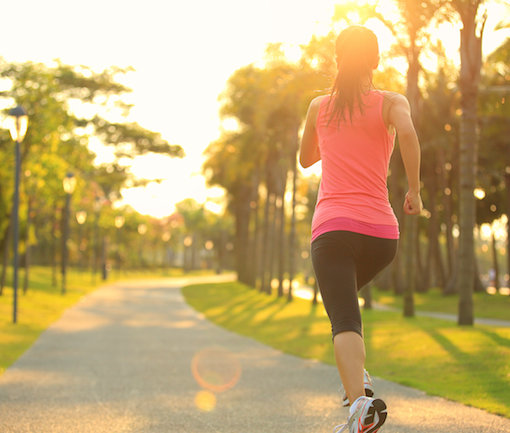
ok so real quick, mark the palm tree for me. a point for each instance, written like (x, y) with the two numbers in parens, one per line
(469, 79)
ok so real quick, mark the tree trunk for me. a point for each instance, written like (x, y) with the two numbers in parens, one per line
(477, 282)
(281, 247)
(446, 192)
(452, 243)
(263, 243)
(435, 255)
(422, 276)
(366, 294)
(27, 246)
(507, 182)
(242, 213)
(54, 245)
(5, 262)
(315, 292)
(273, 245)
(412, 227)
(292, 236)
(471, 55)
(383, 279)
(255, 236)
(266, 257)
(411, 230)
(397, 192)
(495, 264)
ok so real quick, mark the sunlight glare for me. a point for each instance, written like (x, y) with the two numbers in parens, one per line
(205, 401)
(175, 93)
(216, 369)
(485, 232)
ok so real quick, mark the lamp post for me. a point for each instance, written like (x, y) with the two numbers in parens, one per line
(119, 223)
(69, 184)
(188, 262)
(28, 189)
(95, 250)
(81, 217)
(18, 120)
(167, 251)
(142, 229)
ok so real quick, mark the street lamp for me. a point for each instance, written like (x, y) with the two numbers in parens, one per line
(142, 229)
(167, 251)
(119, 223)
(18, 124)
(81, 217)
(95, 250)
(188, 253)
(69, 184)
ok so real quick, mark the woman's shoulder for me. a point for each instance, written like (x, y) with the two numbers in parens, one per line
(390, 96)
(391, 99)
(318, 100)
(315, 106)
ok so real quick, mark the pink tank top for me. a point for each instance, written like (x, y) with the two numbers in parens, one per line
(353, 194)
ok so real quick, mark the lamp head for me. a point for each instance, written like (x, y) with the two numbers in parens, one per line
(81, 217)
(69, 183)
(119, 221)
(18, 123)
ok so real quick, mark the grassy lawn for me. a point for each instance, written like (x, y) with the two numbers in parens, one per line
(466, 364)
(486, 306)
(43, 304)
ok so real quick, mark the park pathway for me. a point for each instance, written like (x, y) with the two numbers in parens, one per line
(133, 357)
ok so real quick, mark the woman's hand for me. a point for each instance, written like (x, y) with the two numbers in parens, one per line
(413, 204)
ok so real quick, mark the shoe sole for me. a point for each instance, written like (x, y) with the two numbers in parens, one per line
(378, 406)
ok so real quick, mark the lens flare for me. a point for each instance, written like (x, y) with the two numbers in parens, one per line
(205, 401)
(216, 369)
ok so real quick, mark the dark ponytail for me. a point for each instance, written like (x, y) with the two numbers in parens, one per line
(357, 54)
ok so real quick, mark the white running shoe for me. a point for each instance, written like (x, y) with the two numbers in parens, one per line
(367, 416)
(369, 389)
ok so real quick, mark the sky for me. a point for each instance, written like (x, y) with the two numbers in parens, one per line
(183, 53)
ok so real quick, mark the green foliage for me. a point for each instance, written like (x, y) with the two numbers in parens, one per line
(52, 97)
(131, 139)
(56, 99)
(192, 213)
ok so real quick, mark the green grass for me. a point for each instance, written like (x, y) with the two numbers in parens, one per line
(466, 364)
(485, 305)
(43, 304)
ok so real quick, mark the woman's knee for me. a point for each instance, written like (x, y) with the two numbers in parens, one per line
(349, 325)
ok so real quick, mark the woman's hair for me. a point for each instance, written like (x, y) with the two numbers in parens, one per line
(357, 54)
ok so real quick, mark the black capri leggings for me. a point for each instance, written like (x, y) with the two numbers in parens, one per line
(344, 262)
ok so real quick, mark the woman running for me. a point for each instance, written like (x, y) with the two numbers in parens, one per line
(354, 229)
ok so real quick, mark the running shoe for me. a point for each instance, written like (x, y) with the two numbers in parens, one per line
(367, 416)
(369, 389)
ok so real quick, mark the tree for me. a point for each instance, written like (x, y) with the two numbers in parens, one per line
(469, 79)
(229, 165)
(57, 138)
(495, 133)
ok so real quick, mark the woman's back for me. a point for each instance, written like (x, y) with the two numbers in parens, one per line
(355, 154)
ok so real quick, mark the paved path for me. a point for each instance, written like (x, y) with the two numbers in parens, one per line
(446, 316)
(122, 359)
(307, 293)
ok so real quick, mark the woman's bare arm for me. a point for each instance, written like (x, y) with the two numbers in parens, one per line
(400, 117)
(309, 152)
